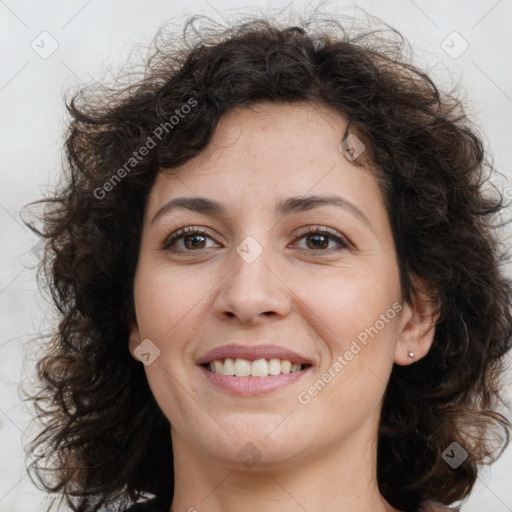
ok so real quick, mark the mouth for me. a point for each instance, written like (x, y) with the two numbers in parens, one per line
(248, 370)
(258, 368)
(243, 377)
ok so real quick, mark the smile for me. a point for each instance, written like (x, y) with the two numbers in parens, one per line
(240, 367)
(240, 379)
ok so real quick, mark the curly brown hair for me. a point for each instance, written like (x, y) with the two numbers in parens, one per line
(104, 441)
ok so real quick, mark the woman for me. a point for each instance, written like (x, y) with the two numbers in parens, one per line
(278, 283)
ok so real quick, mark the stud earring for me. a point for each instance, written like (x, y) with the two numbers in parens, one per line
(411, 355)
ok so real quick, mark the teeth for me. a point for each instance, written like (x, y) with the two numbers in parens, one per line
(286, 366)
(229, 367)
(259, 368)
(242, 367)
(274, 367)
(218, 366)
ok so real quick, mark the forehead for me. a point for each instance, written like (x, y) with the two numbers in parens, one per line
(261, 154)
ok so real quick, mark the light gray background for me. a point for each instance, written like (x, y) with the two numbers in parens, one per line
(93, 35)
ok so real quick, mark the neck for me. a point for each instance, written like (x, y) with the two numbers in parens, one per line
(344, 475)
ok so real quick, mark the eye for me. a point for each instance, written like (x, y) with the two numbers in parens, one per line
(192, 238)
(317, 239)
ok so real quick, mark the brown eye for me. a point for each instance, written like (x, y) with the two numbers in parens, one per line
(318, 240)
(193, 239)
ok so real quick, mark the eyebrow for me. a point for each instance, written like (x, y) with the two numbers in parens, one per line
(285, 207)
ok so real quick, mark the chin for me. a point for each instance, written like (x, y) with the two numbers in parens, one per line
(258, 447)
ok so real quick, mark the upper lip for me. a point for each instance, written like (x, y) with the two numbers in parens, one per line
(251, 352)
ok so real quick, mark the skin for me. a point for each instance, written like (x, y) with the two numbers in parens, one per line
(313, 300)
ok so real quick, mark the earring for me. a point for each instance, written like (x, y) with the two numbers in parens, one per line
(411, 355)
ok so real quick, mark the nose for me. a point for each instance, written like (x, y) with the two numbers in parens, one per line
(251, 290)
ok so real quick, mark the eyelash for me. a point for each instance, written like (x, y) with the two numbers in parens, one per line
(181, 233)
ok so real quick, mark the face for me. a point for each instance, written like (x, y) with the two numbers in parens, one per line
(317, 278)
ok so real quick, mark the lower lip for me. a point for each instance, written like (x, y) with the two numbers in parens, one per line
(248, 386)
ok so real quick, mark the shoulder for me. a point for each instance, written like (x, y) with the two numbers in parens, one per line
(434, 506)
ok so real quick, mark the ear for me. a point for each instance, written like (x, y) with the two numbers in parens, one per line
(418, 322)
(134, 339)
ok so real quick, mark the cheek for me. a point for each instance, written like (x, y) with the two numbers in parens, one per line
(168, 305)
(357, 343)
(348, 301)
(166, 297)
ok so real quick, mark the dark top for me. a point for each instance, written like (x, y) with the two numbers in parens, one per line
(149, 506)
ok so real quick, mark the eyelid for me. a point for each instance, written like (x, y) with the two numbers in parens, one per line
(343, 242)
(181, 232)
